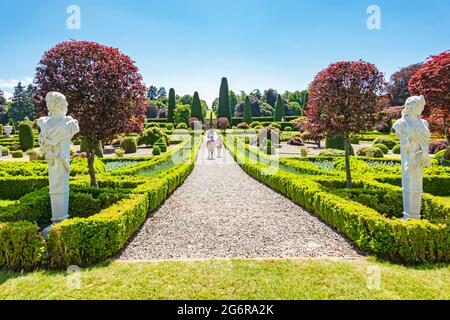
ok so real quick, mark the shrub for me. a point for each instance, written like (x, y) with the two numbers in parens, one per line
(17, 154)
(439, 156)
(156, 151)
(388, 142)
(288, 128)
(354, 139)
(255, 124)
(371, 152)
(21, 246)
(304, 152)
(129, 145)
(182, 126)
(98, 148)
(243, 126)
(396, 149)
(222, 123)
(4, 151)
(119, 152)
(169, 126)
(182, 114)
(73, 151)
(438, 145)
(332, 153)
(33, 154)
(258, 127)
(161, 143)
(382, 147)
(1, 129)
(275, 125)
(150, 136)
(26, 136)
(336, 141)
(295, 141)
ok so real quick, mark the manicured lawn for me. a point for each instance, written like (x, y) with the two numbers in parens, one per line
(233, 279)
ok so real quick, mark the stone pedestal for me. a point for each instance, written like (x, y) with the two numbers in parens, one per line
(8, 130)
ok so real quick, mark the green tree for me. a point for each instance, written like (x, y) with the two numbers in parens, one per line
(182, 114)
(224, 101)
(162, 93)
(247, 110)
(196, 108)
(22, 104)
(257, 94)
(26, 136)
(233, 101)
(279, 109)
(2, 98)
(270, 96)
(171, 105)
(152, 93)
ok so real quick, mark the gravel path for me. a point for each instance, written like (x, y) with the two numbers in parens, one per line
(221, 212)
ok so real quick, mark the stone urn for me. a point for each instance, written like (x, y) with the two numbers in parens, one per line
(8, 129)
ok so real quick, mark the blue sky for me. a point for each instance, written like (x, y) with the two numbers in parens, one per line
(191, 44)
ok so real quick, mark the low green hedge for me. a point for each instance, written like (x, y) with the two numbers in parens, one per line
(21, 246)
(107, 218)
(404, 241)
(83, 241)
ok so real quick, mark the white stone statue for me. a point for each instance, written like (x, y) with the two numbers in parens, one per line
(55, 137)
(414, 141)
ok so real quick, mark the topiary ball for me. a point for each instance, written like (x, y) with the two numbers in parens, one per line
(388, 142)
(382, 147)
(129, 145)
(156, 151)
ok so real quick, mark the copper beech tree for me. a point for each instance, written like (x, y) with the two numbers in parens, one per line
(103, 87)
(343, 99)
(432, 80)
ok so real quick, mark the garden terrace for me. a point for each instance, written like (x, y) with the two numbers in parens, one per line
(367, 213)
(101, 220)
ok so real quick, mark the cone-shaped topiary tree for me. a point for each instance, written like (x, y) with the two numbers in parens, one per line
(171, 105)
(247, 110)
(279, 109)
(26, 136)
(196, 108)
(224, 101)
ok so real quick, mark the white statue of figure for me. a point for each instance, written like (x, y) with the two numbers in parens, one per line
(414, 141)
(55, 137)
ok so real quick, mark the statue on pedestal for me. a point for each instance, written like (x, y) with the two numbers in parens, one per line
(55, 137)
(414, 138)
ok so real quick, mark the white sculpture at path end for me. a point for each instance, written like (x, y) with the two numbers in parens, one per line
(55, 137)
(414, 138)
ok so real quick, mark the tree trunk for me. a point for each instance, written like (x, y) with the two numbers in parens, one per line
(347, 161)
(446, 155)
(91, 159)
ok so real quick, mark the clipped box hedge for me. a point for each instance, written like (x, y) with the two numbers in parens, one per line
(412, 241)
(91, 237)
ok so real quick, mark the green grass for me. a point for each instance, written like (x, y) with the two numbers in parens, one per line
(232, 279)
